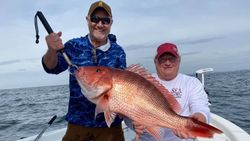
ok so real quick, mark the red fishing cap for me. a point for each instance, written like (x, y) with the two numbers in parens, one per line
(99, 4)
(167, 48)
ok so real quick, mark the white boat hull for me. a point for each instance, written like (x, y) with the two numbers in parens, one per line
(231, 131)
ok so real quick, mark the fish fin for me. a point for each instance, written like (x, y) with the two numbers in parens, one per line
(138, 69)
(102, 104)
(137, 137)
(98, 110)
(201, 129)
(155, 132)
(109, 117)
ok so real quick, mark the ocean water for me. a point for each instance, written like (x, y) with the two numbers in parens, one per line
(26, 111)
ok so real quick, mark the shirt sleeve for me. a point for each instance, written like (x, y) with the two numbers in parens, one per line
(60, 67)
(199, 99)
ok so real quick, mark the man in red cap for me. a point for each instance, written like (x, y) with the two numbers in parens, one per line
(188, 91)
(167, 61)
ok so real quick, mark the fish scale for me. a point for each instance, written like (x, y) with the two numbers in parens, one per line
(153, 107)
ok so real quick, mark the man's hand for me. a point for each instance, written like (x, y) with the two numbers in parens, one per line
(54, 41)
(199, 116)
(138, 130)
(187, 135)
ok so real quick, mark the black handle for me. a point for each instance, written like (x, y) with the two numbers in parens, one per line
(40, 15)
(44, 22)
(52, 120)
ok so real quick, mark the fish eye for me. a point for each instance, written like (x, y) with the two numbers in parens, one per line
(98, 70)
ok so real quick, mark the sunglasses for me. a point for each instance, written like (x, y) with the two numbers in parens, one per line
(164, 58)
(104, 20)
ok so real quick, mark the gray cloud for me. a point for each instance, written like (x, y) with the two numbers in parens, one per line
(9, 62)
(178, 42)
(138, 47)
(199, 27)
(199, 41)
(32, 59)
(190, 53)
(22, 70)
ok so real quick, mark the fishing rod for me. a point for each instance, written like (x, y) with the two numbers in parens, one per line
(45, 23)
(49, 124)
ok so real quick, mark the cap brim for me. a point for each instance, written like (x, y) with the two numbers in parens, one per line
(159, 55)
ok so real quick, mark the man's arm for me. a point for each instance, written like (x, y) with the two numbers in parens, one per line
(198, 105)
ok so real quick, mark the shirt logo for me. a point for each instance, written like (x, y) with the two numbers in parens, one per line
(176, 92)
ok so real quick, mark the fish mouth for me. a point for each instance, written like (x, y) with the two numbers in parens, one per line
(82, 86)
(89, 92)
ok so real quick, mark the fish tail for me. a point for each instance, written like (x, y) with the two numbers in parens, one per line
(201, 129)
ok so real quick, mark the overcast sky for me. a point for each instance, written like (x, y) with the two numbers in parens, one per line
(208, 33)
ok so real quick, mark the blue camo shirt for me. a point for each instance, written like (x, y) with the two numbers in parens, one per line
(80, 51)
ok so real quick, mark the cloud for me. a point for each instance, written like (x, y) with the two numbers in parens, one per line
(9, 62)
(22, 79)
(22, 70)
(199, 28)
(190, 53)
(32, 59)
(17, 65)
(200, 40)
(138, 47)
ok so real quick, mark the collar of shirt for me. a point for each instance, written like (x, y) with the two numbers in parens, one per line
(104, 47)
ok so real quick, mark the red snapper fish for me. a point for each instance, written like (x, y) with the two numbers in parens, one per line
(135, 94)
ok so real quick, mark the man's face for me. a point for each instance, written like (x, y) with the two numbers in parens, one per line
(167, 66)
(99, 24)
